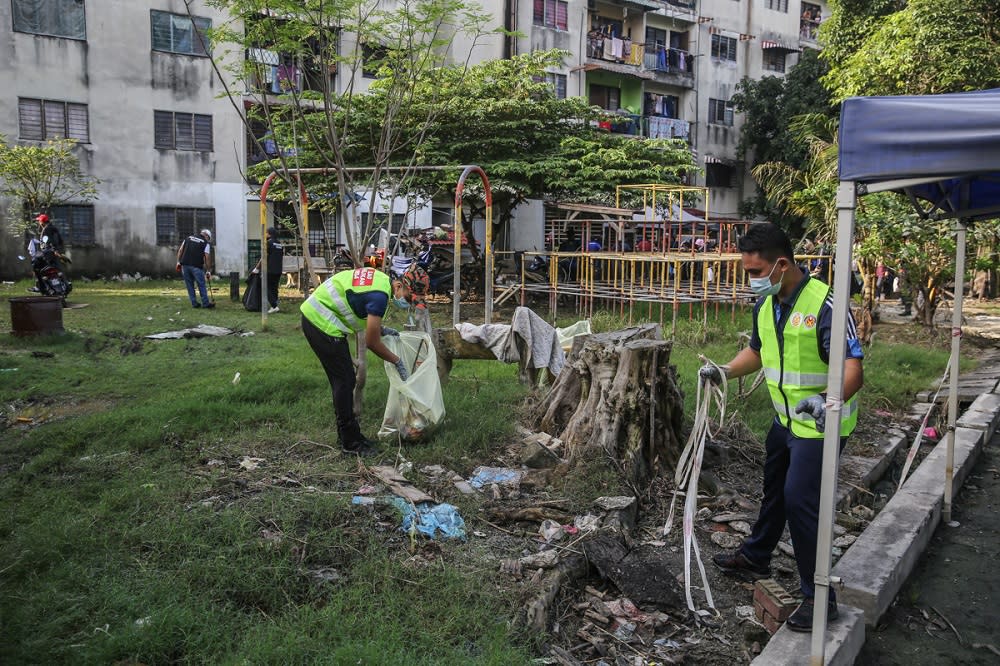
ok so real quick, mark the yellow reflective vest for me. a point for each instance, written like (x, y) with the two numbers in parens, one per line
(328, 309)
(793, 368)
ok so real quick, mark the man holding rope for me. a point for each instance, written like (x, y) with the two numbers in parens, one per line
(791, 342)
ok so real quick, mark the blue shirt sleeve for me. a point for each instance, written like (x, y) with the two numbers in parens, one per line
(368, 303)
(824, 327)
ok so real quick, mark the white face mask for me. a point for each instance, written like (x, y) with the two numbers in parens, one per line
(762, 286)
(402, 303)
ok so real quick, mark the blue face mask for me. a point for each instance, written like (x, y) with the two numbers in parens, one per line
(762, 286)
(402, 303)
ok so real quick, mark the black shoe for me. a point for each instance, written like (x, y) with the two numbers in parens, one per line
(737, 565)
(802, 618)
(364, 448)
(208, 305)
(196, 305)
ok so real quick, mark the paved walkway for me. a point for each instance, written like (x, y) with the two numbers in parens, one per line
(957, 581)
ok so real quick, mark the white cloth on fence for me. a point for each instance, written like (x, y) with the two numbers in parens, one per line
(541, 341)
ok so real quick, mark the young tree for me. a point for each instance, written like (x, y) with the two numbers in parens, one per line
(401, 46)
(37, 177)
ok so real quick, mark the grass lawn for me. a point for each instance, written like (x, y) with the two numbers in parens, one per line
(155, 511)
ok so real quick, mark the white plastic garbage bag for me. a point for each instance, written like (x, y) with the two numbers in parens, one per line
(416, 405)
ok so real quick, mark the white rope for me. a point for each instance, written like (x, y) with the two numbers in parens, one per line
(915, 446)
(686, 476)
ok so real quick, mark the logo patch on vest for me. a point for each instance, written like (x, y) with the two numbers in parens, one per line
(810, 322)
(795, 320)
(363, 277)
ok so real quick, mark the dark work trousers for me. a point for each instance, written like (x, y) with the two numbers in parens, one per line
(793, 470)
(334, 354)
(272, 289)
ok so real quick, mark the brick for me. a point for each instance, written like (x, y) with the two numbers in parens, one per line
(773, 599)
(772, 625)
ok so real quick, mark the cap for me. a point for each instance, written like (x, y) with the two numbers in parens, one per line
(206, 233)
(42, 218)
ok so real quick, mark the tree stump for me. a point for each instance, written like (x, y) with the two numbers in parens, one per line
(618, 394)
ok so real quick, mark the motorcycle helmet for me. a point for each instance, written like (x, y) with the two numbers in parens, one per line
(594, 246)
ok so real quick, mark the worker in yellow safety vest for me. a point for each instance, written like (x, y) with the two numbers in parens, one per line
(791, 342)
(349, 302)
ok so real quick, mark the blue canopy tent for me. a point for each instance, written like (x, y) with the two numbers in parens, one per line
(943, 153)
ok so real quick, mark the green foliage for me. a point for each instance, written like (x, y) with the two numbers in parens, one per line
(770, 106)
(926, 47)
(37, 177)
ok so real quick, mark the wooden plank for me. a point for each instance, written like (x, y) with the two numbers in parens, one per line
(399, 485)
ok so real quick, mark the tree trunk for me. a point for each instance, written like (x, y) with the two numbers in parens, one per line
(618, 394)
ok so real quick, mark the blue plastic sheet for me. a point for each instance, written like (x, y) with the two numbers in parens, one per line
(432, 519)
(485, 476)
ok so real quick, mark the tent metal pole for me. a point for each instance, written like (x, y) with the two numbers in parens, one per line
(846, 203)
(956, 342)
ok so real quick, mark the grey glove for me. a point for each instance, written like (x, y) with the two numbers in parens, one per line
(713, 373)
(815, 406)
(404, 374)
(389, 331)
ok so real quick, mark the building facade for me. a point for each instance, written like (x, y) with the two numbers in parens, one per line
(133, 82)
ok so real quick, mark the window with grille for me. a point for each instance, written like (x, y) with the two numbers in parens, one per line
(558, 83)
(41, 119)
(174, 224)
(774, 60)
(75, 223)
(720, 112)
(52, 18)
(552, 14)
(177, 33)
(724, 47)
(182, 131)
(720, 175)
(777, 5)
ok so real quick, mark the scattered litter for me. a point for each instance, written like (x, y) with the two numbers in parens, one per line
(199, 331)
(215, 463)
(544, 560)
(953, 523)
(587, 523)
(9, 369)
(429, 519)
(363, 501)
(550, 531)
(143, 621)
(477, 533)
(483, 476)
(325, 575)
(744, 612)
(250, 464)
(367, 489)
(149, 319)
(236, 378)
(400, 486)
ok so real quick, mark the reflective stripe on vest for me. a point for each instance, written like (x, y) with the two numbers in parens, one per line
(328, 308)
(795, 370)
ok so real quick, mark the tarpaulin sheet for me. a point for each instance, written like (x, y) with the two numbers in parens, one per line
(917, 136)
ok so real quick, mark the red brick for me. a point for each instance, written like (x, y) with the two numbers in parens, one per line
(770, 623)
(773, 599)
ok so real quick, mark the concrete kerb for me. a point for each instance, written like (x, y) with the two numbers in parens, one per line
(876, 566)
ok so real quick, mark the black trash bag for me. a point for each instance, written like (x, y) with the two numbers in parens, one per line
(251, 297)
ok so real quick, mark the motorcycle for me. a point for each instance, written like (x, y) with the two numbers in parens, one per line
(440, 270)
(51, 279)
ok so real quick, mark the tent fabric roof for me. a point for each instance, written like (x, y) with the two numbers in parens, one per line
(953, 140)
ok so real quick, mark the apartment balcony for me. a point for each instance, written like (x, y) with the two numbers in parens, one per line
(671, 66)
(649, 126)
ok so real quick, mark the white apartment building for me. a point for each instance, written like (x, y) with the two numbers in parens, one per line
(130, 79)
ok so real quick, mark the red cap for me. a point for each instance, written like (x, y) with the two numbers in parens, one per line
(42, 218)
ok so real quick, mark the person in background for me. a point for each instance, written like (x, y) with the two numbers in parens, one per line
(34, 252)
(275, 262)
(418, 284)
(49, 240)
(348, 302)
(791, 342)
(194, 259)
